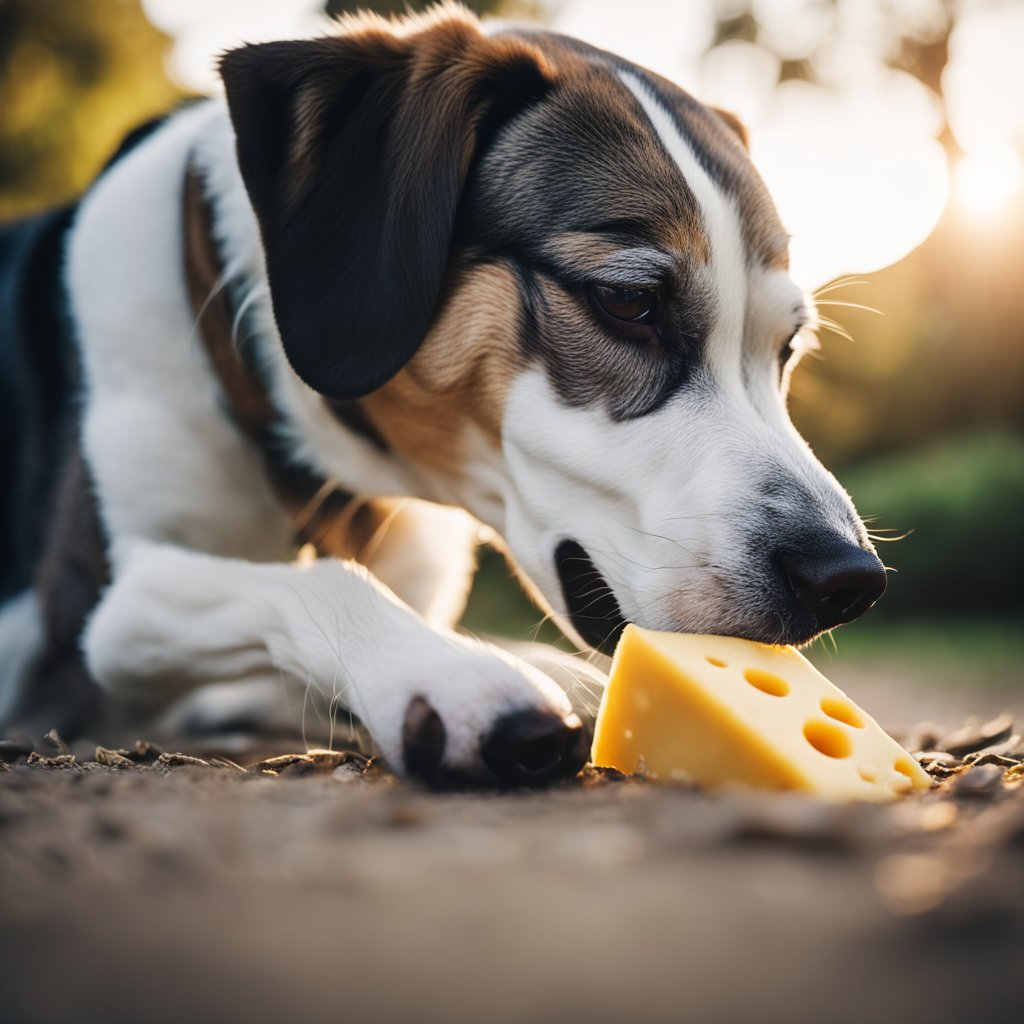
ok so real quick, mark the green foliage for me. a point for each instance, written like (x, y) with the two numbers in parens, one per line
(74, 79)
(989, 649)
(498, 605)
(944, 354)
(962, 498)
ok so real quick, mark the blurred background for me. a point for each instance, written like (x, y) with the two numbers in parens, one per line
(892, 135)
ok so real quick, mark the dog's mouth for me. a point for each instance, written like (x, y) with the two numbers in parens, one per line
(592, 608)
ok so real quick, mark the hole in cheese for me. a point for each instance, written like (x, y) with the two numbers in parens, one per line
(828, 739)
(717, 662)
(841, 712)
(905, 779)
(776, 686)
(868, 774)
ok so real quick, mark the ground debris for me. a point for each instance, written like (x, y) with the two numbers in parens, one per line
(54, 742)
(311, 762)
(594, 775)
(176, 760)
(990, 745)
(978, 760)
(57, 761)
(991, 757)
(114, 758)
(981, 780)
(942, 758)
(975, 735)
(144, 752)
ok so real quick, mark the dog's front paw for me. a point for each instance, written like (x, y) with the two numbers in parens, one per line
(470, 714)
(529, 747)
(532, 747)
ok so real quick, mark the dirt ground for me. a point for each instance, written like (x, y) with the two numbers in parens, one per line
(327, 891)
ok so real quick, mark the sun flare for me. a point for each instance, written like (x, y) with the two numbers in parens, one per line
(985, 181)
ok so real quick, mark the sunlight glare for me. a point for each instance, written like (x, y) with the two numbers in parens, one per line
(985, 180)
(858, 177)
(854, 167)
(203, 29)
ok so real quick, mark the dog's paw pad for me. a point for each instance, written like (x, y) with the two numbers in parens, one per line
(533, 747)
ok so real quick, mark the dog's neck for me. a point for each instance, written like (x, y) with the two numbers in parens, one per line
(357, 446)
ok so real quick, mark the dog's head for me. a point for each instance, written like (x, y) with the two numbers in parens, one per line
(555, 282)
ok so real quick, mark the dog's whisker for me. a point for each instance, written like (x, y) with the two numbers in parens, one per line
(377, 538)
(305, 698)
(257, 291)
(670, 540)
(847, 281)
(832, 327)
(221, 282)
(850, 305)
(633, 561)
(878, 539)
(598, 593)
(335, 697)
(831, 634)
(579, 681)
(335, 648)
(584, 696)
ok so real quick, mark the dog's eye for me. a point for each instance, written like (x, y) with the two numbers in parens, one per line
(786, 351)
(628, 305)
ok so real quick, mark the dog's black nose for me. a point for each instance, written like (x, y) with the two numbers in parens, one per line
(836, 583)
(532, 747)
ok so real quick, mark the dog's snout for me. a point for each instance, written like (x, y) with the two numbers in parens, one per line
(836, 584)
(533, 747)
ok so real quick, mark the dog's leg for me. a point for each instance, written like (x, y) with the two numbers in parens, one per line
(426, 554)
(434, 703)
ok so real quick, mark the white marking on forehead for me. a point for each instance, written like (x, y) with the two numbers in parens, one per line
(635, 266)
(722, 224)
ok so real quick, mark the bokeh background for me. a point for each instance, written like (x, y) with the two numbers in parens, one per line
(892, 135)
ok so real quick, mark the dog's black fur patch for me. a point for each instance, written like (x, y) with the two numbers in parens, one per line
(37, 378)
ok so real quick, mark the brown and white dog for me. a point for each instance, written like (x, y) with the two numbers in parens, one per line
(503, 272)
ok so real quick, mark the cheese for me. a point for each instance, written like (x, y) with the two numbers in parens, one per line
(719, 710)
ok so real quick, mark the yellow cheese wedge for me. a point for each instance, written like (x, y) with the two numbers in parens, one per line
(718, 710)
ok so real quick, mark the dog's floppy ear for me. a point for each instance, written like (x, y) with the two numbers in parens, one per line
(354, 150)
(735, 125)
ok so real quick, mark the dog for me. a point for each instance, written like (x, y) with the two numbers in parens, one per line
(532, 284)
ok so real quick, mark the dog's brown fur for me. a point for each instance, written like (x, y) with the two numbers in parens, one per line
(459, 377)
